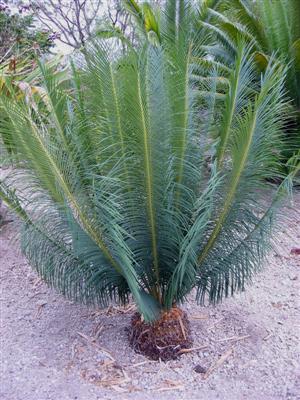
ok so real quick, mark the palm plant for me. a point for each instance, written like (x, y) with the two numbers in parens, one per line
(161, 26)
(114, 193)
(273, 27)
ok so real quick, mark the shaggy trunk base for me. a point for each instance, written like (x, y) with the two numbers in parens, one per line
(164, 339)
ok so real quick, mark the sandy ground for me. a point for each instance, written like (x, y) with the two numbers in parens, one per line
(54, 349)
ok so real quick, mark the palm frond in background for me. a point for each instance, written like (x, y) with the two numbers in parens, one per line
(273, 29)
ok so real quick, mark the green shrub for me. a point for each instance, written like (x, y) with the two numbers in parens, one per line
(112, 182)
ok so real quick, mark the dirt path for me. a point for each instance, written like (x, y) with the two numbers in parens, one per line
(54, 349)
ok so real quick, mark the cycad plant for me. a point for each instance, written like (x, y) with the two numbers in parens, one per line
(273, 27)
(117, 200)
(163, 26)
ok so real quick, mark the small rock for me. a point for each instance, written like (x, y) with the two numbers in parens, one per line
(295, 251)
(293, 277)
(199, 369)
(41, 303)
(277, 305)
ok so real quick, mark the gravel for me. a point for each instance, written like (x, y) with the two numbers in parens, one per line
(54, 349)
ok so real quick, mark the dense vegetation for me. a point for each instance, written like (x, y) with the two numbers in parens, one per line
(272, 28)
(19, 38)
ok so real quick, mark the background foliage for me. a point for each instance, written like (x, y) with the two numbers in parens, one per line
(19, 37)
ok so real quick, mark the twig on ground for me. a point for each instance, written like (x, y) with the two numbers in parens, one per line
(182, 328)
(270, 334)
(216, 323)
(129, 309)
(183, 351)
(220, 361)
(234, 338)
(92, 342)
(39, 309)
(97, 331)
(35, 294)
(172, 385)
(200, 316)
(139, 364)
(164, 389)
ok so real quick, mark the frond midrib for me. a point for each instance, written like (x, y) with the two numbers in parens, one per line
(149, 182)
(230, 195)
(184, 125)
(232, 105)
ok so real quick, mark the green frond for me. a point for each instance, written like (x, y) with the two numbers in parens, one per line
(147, 19)
(141, 175)
(240, 82)
(234, 29)
(252, 160)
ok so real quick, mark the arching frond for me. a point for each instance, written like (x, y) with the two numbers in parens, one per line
(138, 178)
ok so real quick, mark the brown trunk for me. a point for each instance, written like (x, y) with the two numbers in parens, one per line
(163, 339)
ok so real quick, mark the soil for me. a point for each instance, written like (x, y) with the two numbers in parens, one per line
(165, 340)
(244, 348)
